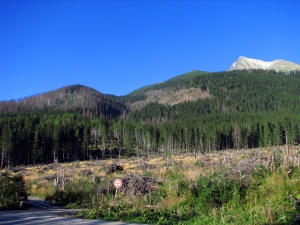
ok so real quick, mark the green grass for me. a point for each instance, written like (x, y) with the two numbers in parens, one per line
(214, 199)
(261, 196)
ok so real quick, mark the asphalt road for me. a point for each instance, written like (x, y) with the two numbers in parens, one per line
(44, 213)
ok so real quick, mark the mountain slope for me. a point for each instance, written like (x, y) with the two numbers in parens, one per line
(189, 87)
(253, 108)
(244, 63)
(171, 92)
(231, 93)
(79, 98)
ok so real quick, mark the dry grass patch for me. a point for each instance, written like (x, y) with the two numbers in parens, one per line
(194, 173)
(188, 166)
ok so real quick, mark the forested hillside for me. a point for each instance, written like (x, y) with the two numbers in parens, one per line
(170, 92)
(74, 98)
(244, 109)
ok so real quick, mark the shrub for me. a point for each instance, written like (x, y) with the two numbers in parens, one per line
(76, 194)
(214, 190)
(12, 190)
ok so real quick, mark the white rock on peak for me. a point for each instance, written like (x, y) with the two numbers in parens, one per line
(244, 63)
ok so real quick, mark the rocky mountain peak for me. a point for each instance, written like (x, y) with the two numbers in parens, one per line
(244, 63)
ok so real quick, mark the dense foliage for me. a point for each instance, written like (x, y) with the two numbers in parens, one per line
(12, 190)
(247, 109)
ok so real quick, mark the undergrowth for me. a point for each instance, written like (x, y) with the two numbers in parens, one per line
(12, 190)
(264, 194)
(213, 199)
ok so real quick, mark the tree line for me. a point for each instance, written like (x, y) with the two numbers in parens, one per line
(31, 139)
(246, 110)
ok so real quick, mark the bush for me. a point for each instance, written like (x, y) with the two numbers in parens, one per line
(76, 194)
(214, 190)
(12, 190)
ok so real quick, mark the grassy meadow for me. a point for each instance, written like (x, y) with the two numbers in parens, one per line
(247, 186)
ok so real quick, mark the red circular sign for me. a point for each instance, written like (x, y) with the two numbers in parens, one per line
(118, 183)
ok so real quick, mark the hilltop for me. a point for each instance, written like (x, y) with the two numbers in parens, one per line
(244, 63)
(72, 98)
(189, 87)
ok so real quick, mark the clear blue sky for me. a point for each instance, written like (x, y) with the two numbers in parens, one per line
(119, 46)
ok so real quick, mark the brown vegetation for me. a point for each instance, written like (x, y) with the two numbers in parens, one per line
(171, 97)
(239, 162)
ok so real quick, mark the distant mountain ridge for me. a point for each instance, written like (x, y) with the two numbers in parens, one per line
(189, 87)
(244, 63)
(72, 98)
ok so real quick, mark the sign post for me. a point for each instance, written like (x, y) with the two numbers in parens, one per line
(118, 184)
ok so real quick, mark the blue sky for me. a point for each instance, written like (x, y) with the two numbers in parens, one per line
(119, 46)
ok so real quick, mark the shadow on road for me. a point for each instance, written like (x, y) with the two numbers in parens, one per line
(37, 203)
(42, 212)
